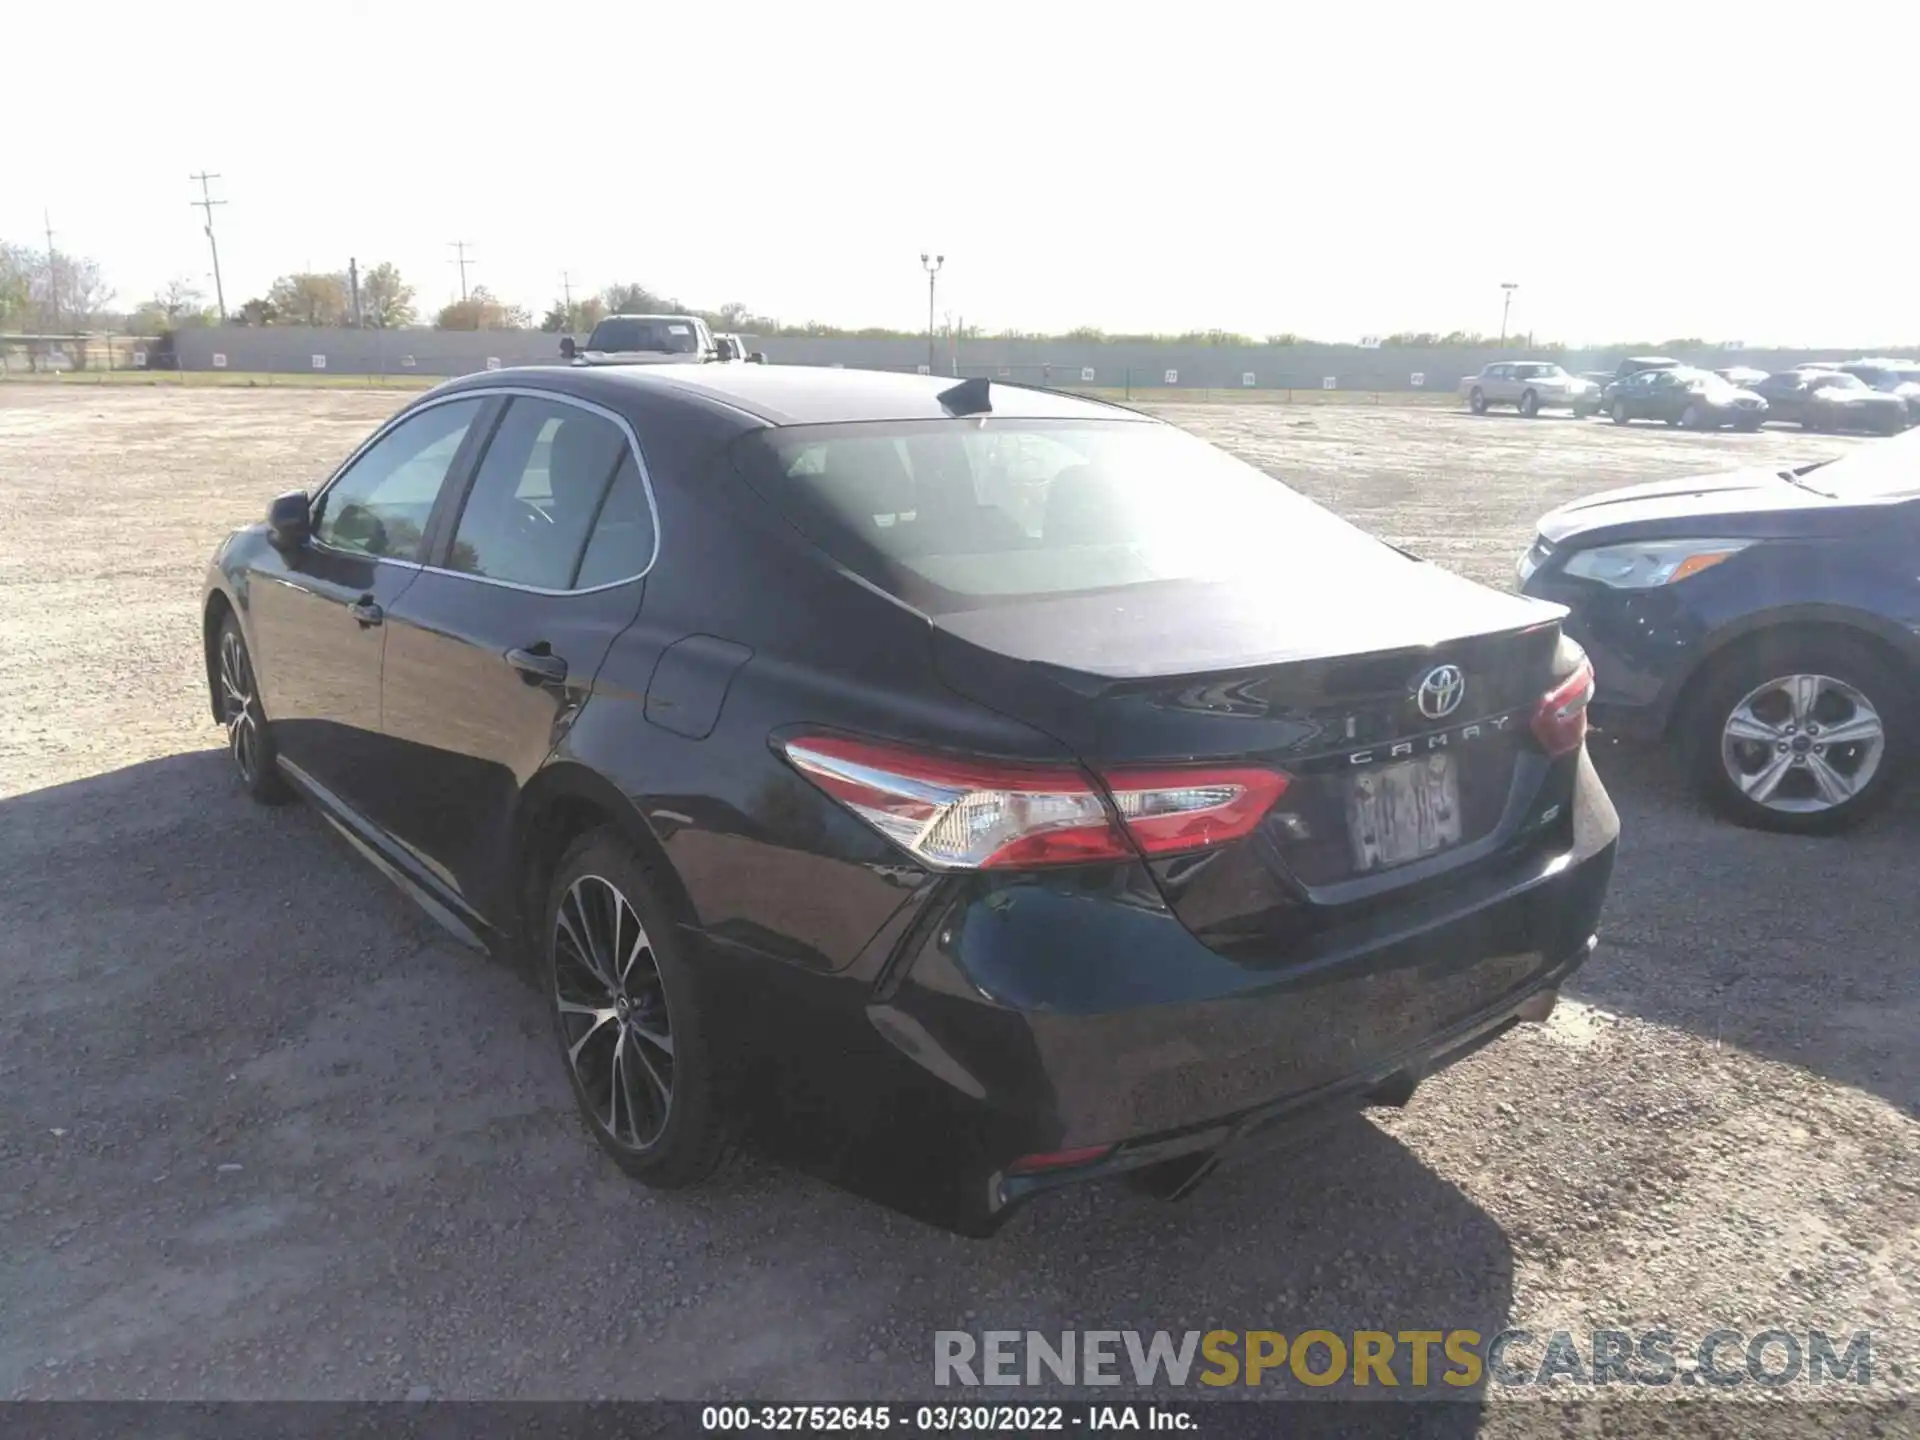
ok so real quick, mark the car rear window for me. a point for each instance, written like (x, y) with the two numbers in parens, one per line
(666, 337)
(960, 514)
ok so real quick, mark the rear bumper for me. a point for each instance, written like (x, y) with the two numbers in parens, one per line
(1038, 1017)
(1870, 419)
(1186, 1156)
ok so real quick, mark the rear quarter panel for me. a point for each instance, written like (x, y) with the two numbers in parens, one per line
(765, 860)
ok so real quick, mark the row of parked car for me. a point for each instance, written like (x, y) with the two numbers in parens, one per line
(1878, 396)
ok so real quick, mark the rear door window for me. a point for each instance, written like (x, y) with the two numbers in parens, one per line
(622, 542)
(538, 492)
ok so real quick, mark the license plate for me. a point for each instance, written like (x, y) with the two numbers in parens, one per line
(1402, 812)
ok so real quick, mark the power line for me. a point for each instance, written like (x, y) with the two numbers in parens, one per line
(460, 259)
(205, 203)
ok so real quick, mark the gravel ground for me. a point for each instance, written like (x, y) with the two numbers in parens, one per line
(265, 1132)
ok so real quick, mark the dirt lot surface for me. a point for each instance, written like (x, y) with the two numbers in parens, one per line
(265, 1132)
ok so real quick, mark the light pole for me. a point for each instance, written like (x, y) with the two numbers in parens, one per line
(932, 267)
(1505, 305)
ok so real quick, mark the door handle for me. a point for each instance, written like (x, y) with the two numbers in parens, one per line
(367, 611)
(538, 665)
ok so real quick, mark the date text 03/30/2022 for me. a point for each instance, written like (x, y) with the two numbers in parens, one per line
(936, 1419)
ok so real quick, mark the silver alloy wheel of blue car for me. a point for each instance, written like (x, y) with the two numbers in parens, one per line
(1803, 743)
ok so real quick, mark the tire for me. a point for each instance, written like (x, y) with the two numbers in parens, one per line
(652, 1014)
(1814, 683)
(1747, 427)
(1810, 421)
(249, 737)
(1619, 412)
(1477, 401)
(1529, 404)
(1693, 418)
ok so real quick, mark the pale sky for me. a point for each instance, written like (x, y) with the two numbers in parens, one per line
(1642, 171)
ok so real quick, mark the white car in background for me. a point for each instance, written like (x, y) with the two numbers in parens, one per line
(1530, 386)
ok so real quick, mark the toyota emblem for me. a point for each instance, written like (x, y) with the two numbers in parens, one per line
(1440, 691)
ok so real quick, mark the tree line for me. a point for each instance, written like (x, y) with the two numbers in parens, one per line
(45, 291)
(49, 292)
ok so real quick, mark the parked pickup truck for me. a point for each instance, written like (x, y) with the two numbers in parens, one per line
(1530, 386)
(655, 340)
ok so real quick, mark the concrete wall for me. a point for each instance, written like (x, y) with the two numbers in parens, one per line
(290, 349)
(31, 354)
(285, 349)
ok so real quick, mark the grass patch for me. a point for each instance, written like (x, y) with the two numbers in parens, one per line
(302, 380)
(223, 379)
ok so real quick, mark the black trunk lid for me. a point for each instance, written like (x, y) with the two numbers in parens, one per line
(1330, 693)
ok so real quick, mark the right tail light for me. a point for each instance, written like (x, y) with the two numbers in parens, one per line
(1560, 719)
(962, 813)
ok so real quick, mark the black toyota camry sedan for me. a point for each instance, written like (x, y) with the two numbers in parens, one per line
(959, 789)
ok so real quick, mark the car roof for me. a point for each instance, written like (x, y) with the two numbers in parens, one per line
(798, 394)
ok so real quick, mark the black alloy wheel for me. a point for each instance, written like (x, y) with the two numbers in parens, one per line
(249, 737)
(627, 1016)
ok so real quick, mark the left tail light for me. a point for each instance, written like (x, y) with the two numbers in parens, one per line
(1560, 720)
(961, 813)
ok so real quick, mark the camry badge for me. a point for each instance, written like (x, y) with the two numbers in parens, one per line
(1440, 691)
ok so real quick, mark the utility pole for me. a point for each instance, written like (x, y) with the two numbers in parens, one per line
(460, 259)
(1505, 305)
(932, 268)
(353, 289)
(53, 273)
(205, 203)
